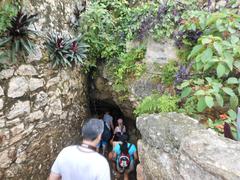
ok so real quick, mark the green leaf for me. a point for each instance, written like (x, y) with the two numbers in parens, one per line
(201, 104)
(233, 102)
(185, 84)
(199, 93)
(232, 80)
(207, 55)
(232, 114)
(209, 101)
(195, 51)
(220, 70)
(218, 47)
(219, 100)
(228, 91)
(210, 123)
(237, 64)
(3, 41)
(186, 92)
(234, 39)
(229, 60)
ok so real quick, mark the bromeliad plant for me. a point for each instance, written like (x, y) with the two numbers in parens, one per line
(18, 39)
(66, 51)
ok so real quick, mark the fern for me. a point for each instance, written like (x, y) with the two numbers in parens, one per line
(156, 104)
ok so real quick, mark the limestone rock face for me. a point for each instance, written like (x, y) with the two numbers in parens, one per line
(174, 146)
(161, 52)
(18, 86)
(1, 91)
(1, 104)
(41, 111)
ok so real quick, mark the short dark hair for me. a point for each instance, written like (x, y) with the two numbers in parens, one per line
(92, 128)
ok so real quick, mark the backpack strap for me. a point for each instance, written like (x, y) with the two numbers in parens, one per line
(129, 147)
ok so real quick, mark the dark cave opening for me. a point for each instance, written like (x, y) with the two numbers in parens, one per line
(99, 107)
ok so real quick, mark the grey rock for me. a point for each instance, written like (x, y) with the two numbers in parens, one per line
(4, 159)
(41, 100)
(208, 156)
(1, 104)
(175, 146)
(53, 81)
(6, 73)
(13, 122)
(18, 109)
(56, 106)
(37, 115)
(160, 52)
(18, 86)
(2, 121)
(168, 128)
(35, 83)
(1, 91)
(26, 70)
(17, 129)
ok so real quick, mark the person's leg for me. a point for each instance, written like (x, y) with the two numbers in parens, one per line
(104, 146)
(126, 176)
(129, 170)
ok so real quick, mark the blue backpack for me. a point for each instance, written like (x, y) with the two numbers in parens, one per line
(106, 135)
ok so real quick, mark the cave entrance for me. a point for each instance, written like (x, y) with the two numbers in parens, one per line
(99, 107)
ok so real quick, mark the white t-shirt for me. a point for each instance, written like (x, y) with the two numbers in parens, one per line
(79, 163)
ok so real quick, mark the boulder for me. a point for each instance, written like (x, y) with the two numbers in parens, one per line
(175, 146)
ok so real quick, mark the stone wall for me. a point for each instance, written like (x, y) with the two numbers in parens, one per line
(41, 111)
(53, 15)
(176, 147)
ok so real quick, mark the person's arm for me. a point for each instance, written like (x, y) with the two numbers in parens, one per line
(124, 129)
(135, 156)
(111, 141)
(114, 156)
(111, 124)
(54, 176)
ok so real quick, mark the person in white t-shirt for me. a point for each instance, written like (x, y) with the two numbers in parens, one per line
(82, 162)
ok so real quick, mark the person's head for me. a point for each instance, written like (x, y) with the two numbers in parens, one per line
(120, 121)
(92, 131)
(124, 146)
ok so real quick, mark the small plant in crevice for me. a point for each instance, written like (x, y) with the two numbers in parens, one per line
(66, 51)
(7, 11)
(168, 72)
(130, 67)
(18, 39)
(78, 9)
